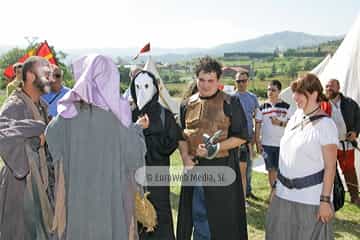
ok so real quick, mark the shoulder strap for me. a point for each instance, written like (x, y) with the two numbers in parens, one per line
(309, 120)
(316, 117)
(53, 99)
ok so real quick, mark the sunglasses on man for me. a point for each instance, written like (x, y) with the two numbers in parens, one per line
(241, 81)
(57, 75)
(272, 89)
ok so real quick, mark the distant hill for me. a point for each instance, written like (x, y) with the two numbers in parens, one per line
(266, 43)
(330, 47)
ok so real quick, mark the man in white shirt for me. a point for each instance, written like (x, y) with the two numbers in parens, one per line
(270, 124)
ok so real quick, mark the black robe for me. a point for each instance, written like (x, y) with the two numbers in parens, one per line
(225, 205)
(161, 141)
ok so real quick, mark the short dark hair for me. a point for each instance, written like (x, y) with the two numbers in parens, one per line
(276, 83)
(335, 80)
(208, 65)
(242, 73)
(29, 64)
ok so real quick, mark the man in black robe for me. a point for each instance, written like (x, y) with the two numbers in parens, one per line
(212, 212)
(161, 139)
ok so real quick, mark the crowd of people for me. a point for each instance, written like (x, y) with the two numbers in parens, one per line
(71, 154)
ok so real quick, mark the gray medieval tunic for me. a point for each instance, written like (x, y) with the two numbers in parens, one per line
(99, 157)
(21, 212)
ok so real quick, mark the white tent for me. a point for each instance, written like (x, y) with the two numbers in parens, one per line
(164, 96)
(345, 67)
(345, 64)
(286, 94)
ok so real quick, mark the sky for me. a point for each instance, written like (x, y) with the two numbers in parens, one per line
(167, 23)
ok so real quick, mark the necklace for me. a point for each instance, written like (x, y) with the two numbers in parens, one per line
(306, 117)
(312, 112)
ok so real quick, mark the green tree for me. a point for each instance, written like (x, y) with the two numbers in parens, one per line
(292, 69)
(261, 75)
(308, 66)
(273, 69)
(7, 59)
(11, 57)
(165, 78)
(290, 52)
(175, 78)
(124, 75)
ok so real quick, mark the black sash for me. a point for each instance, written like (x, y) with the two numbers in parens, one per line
(303, 182)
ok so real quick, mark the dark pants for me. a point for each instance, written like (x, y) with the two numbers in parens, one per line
(244, 156)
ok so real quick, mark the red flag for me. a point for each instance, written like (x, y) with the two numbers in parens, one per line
(45, 52)
(9, 72)
(145, 49)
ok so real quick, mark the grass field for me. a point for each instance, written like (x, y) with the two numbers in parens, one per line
(2, 99)
(346, 224)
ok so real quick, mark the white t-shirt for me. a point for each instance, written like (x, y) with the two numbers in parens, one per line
(301, 155)
(270, 133)
(336, 115)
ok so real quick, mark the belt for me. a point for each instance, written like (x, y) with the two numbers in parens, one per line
(303, 182)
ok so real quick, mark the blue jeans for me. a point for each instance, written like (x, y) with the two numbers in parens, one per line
(200, 221)
(271, 157)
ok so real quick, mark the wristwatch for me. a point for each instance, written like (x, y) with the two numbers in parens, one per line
(274, 185)
(324, 198)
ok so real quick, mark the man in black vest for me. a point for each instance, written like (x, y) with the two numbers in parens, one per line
(212, 212)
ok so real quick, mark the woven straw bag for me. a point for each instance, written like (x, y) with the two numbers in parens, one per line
(145, 212)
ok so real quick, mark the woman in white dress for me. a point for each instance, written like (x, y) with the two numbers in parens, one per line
(301, 206)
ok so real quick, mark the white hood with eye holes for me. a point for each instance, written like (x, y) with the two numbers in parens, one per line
(144, 89)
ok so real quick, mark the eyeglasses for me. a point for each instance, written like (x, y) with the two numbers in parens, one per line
(272, 89)
(241, 81)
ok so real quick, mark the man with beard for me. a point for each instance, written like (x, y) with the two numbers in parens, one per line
(346, 114)
(26, 210)
(161, 139)
(212, 212)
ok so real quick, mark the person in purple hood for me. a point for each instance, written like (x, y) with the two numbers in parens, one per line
(95, 149)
